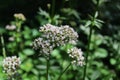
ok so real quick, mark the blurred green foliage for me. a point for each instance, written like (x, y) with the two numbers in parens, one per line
(104, 57)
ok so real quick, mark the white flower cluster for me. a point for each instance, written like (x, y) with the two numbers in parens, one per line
(20, 16)
(11, 64)
(59, 35)
(10, 27)
(76, 55)
(53, 36)
(11, 38)
(44, 45)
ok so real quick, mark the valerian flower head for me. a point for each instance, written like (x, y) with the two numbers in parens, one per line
(77, 56)
(11, 38)
(11, 64)
(54, 36)
(10, 27)
(20, 16)
(44, 45)
(69, 34)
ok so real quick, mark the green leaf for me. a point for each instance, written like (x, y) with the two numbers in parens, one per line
(56, 54)
(22, 56)
(96, 14)
(104, 71)
(35, 32)
(27, 65)
(28, 43)
(100, 53)
(95, 75)
(27, 32)
(88, 23)
(113, 61)
(71, 12)
(64, 64)
(43, 13)
(28, 52)
(97, 24)
(35, 71)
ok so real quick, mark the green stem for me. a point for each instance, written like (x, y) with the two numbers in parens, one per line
(47, 77)
(64, 71)
(89, 41)
(39, 76)
(88, 50)
(3, 46)
(53, 8)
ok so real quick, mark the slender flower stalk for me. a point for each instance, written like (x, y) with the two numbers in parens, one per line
(53, 8)
(88, 51)
(47, 77)
(64, 71)
(3, 46)
(89, 39)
